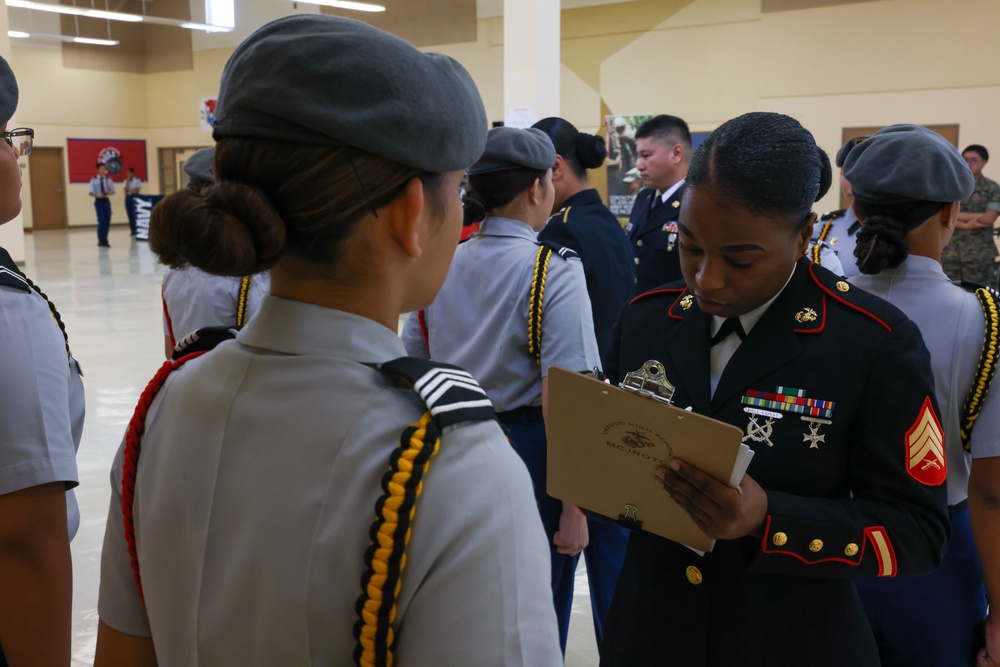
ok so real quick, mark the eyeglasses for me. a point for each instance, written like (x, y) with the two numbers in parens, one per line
(20, 140)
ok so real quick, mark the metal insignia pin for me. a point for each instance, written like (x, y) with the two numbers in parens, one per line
(806, 315)
(671, 240)
(760, 432)
(814, 437)
(676, 204)
(687, 301)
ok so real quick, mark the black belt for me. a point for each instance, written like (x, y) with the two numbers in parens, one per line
(527, 415)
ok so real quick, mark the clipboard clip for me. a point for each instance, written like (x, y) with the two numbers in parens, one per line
(650, 381)
(628, 520)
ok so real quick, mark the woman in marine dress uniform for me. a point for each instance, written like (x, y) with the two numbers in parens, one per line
(848, 475)
(42, 403)
(510, 309)
(583, 223)
(909, 186)
(304, 494)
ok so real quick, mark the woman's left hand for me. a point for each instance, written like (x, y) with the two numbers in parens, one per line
(721, 512)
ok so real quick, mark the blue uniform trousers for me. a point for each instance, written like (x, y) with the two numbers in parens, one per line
(606, 551)
(934, 620)
(103, 208)
(130, 212)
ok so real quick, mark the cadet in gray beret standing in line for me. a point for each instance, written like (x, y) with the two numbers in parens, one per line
(835, 233)
(304, 494)
(193, 299)
(908, 183)
(510, 309)
(41, 421)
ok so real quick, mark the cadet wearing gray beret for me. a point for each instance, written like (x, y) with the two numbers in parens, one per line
(8, 91)
(200, 168)
(383, 96)
(513, 148)
(907, 163)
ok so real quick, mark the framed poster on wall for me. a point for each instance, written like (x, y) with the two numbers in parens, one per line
(117, 154)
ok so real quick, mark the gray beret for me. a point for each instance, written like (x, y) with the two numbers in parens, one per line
(847, 148)
(8, 91)
(905, 163)
(200, 167)
(325, 80)
(513, 148)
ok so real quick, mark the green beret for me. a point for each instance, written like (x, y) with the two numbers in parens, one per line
(325, 80)
(847, 147)
(8, 91)
(513, 148)
(200, 168)
(906, 163)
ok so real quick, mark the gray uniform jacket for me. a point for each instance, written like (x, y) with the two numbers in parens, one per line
(193, 299)
(951, 322)
(836, 235)
(256, 489)
(41, 395)
(479, 320)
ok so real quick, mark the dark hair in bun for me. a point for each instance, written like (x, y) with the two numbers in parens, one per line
(580, 150)
(883, 241)
(272, 197)
(766, 163)
(496, 189)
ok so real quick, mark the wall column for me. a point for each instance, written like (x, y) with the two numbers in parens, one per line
(531, 64)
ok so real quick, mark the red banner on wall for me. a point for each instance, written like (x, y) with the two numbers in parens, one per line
(117, 154)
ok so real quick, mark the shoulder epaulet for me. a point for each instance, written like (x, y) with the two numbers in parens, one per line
(203, 340)
(10, 275)
(833, 215)
(451, 396)
(986, 368)
(561, 250)
(846, 294)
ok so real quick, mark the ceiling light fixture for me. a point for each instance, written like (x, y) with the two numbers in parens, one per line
(347, 4)
(61, 38)
(113, 16)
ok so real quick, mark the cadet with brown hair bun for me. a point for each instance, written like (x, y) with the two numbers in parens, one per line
(304, 493)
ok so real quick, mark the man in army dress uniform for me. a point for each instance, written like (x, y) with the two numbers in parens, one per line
(971, 253)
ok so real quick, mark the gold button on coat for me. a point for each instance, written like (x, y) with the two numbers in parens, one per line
(636, 260)
(815, 545)
(779, 539)
(843, 286)
(694, 575)
(639, 243)
(851, 549)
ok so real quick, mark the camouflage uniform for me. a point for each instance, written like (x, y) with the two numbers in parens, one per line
(970, 253)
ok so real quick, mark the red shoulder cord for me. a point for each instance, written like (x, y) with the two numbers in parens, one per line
(133, 437)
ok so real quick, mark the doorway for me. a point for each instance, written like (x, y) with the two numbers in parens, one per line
(172, 178)
(48, 189)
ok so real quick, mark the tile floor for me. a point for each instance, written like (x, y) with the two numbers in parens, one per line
(109, 299)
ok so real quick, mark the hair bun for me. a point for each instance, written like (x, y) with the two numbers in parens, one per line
(228, 229)
(474, 208)
(882, 243)
(825, 174)
(590, 150)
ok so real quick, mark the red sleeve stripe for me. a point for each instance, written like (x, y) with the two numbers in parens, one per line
(883, 550)
(841, 300)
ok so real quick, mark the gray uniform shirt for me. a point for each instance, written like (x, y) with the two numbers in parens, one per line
(951, 321)
(257, 484)
(193, 299)
(479, 320)
(41, 397)
(838, 252)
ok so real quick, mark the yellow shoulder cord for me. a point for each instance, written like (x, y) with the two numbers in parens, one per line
(385, 559)
(242, 300)
(566, 213)
(819, 242)
(986, 368)
(55, 313)
(535, 298)
(451, 397)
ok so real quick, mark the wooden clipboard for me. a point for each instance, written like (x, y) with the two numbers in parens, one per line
(605, 443)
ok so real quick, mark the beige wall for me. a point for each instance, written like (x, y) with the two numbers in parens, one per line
(856, 64)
